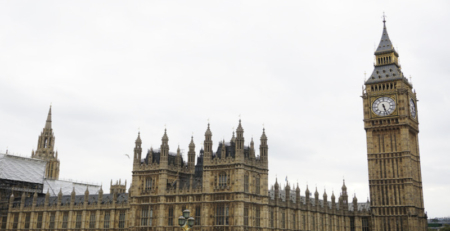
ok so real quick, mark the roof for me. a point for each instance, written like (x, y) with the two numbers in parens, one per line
(22, 168)
(385, 45)
(385, 73)
(66, 187)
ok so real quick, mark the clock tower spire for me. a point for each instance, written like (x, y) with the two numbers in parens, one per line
(392, 127)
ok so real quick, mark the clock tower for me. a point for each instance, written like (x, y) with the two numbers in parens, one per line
(392, 127)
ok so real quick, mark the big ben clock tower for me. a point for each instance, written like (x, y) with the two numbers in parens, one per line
(392, 126)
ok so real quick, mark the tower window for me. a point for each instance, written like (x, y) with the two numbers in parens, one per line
(222, 179)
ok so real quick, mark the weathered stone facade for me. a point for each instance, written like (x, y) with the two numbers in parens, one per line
(227, 189)
(395, 177)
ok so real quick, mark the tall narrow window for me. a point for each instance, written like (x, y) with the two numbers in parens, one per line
(330, 224)
(222, 214)
(51, 226)
(122, 219)
(78, 221)
(246, 215)
(106, 220)
(27, 221)
(293, 221)
(304, 222)
(283, 220)
(352, 223)
(271, 218)
(148, 184)
(257, 185)
(144, 216)
(365, 224)
(222, 179)
(170, 221)
(65, 220)
(313, 221)
(246, 183)
(92, 220)
(337, 223)
(39, 221)
(258, 216)
(198, 215)
(150, 217)
(322, 223)
(16, 221)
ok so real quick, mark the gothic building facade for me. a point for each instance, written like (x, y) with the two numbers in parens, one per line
(227, 188)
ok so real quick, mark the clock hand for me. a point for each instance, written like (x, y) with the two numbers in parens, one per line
(384, 107)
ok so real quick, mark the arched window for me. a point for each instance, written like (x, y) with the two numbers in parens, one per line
(148, 184)
(222, 179)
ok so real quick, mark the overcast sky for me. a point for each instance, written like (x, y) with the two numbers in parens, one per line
(112, 67)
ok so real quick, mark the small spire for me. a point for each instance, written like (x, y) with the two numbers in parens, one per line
(165, 137)
(344, 188)
(48, 123)
(239, 128)
(263, 136)
(192, 142)
(385, 44)
(208, 131)
(138, 140)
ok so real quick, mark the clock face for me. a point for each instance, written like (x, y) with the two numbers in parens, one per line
(412, 108)
(383, 106)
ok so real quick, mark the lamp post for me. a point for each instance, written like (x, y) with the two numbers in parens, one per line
(185, 221)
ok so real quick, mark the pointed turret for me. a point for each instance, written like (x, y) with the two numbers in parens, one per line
(325, 196)
(263, 148)
(277, 190)
(316, 198)
(355, 203)
(191, 155)
(385, 45)
(86, 195)
(387, 67)
(164, 150)
(48, 122)
(252, 149)
(297, 195)
(178, 158)
(240, 137)
(45, 149)
(138, 150)
(47, 197)
(208, 143)
(307, 195)
(233, 138)
(72, 196)
(333, 200)
(344, 195)
(100, 195)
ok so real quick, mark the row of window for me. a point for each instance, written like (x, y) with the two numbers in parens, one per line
(53, 224)
(148, 215)
(256, 182)
(302, 225)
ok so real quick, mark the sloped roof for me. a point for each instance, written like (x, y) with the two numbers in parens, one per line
(22, 169)
(66, 187)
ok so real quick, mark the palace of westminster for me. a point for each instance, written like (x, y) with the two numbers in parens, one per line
(227, 188)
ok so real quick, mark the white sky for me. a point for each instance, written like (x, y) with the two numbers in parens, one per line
(111, 67)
